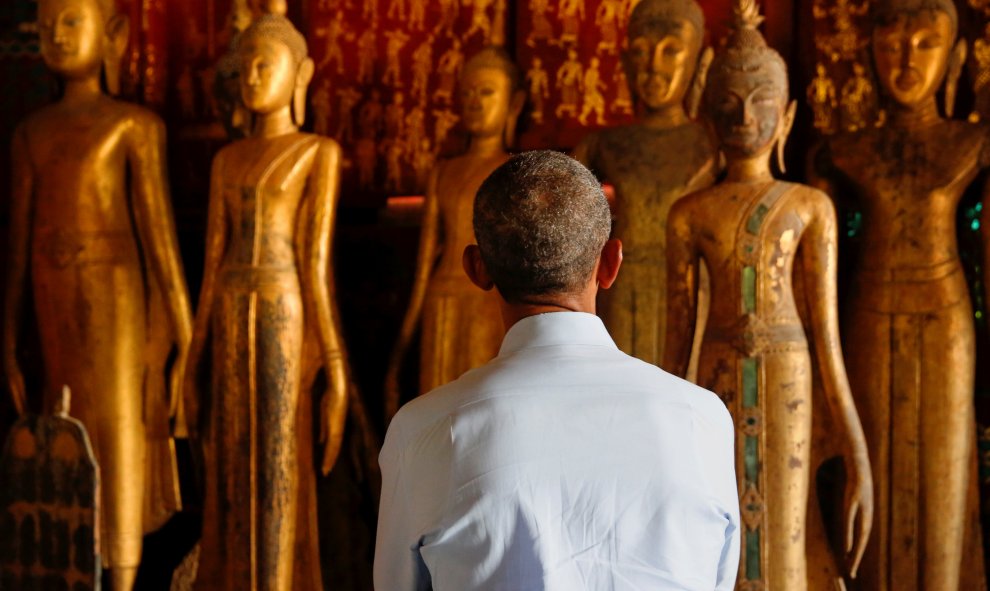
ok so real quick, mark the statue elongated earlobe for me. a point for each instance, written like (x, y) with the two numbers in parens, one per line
(117, 33)
(697, 89)
(303, 77)
(956, 62)
(785, 131)
(516, 104)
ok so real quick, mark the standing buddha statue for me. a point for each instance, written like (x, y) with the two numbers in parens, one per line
(92, 240)
(652, 163)
(461, 325)
(763, 240)
(909, 322)
(267, 303)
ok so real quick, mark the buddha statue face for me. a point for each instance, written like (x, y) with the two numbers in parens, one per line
(73, 36)
(486, 94)
(489, 95)
(664, 40)
(748, 108)
(912, 53)
(274, 68)
(268, 71)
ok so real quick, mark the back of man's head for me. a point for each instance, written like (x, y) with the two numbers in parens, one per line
(541, 221)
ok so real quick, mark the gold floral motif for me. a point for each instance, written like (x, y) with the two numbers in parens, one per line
(751, 422)
(751, 507)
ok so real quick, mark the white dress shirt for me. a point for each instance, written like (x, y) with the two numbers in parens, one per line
(563, 464)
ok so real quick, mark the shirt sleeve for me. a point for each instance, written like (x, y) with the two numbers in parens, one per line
(727, 491)
(398, 563)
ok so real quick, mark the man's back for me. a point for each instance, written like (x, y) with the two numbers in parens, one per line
(562, 464)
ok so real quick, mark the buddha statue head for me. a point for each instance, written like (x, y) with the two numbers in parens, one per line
(491, 95)
(275, 70)
(664, 39)
(746, 97)
(914, 50)
(81, 38)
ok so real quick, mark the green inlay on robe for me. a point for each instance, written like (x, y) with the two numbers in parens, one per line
(749, 385)
(749, 289)
(753, 555)
(751, 458)
(755, 220)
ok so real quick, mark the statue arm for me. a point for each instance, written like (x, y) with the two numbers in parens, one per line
(216, 244)
(819, 265)
(322, 191)
(682, 291)
(156, 227)
(425, 259)
(17, 264)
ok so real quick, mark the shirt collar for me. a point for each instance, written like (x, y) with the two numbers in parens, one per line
(556, 328)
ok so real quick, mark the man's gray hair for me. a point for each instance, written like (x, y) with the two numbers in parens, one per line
(541, 221)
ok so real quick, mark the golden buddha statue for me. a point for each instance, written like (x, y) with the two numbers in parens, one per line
(267, 304)
(763, 239)
(909, 322)
(461, 325)
(652, 163)
(92, 240)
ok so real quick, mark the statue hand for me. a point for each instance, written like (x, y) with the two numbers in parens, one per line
(858, 510)
(333, 415)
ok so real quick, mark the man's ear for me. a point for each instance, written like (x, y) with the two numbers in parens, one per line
(475, 267)
(609, 263)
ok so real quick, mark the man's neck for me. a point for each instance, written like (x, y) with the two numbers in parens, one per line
(513, 312)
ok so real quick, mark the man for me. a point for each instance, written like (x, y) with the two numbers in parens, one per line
(562, 464)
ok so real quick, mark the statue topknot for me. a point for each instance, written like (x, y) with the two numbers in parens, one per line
(746, 50)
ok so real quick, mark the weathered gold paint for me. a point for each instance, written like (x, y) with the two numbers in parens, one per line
(909, 324)
(93, 240)
(652, 163)
(766, 243)
(267, 304)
